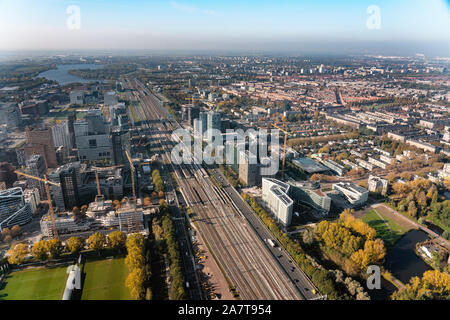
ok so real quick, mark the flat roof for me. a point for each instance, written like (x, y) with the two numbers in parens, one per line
(309, 165)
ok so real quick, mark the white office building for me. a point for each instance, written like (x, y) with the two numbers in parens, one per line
(354, 194)
(275, 196)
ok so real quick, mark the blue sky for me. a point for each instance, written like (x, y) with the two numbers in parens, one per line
(338, 26)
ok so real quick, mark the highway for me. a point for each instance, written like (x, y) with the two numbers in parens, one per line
(232, 231)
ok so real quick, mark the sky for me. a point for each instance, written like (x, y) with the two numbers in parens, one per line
(374, 26)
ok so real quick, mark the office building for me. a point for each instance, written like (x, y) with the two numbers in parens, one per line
(69, 177)
(248, 168)
(61, 136)
(213, 123)
(309, 193)
(354, 194)
(35, 166)
(76, 97)
(14, 210)
(10, 115)
(335, 167)
(93, 137)
(40, 141)
(275, 196)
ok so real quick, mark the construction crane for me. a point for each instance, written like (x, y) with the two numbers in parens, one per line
(284, 148)
(47, 191)
(96, 170)
(132, 179)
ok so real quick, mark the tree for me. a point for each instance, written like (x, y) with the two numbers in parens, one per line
(434, 285)
(15, 231)
(147, 201)
(6, 232)
(96, 242)
(39, 250)
(412, 209)
(117, 240)
(75, 244)
(16, 255)
(54, 248)
(135, 282)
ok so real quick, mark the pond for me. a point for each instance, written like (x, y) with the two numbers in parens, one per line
(402, 260)
(62, 76)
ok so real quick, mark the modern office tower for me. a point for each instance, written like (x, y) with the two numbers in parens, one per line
(354, 194)
(10, 115)
(61, 136)
(14, 210)
(377, 184)
(193, 112)
(67, 195)
(76, 97)
(309, 193)
(7, 174)
(71, 118)
(248, 168)
(40, 141)
(110, 99)
(275, 196)
(213, 122)
(33, 198)
(93, 138)
(120, 144)
(35, 166)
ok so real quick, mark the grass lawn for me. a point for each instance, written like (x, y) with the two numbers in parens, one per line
(105, 280)
(383, 231)
(35, 284)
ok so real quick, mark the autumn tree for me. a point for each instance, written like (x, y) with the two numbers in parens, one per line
(434, 285)
(39, 250)
(75, 244)
(17, 254)
(117, 239)
(54, 248)
(96, 242)
(16, 230)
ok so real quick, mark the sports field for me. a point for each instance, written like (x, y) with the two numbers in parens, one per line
(34, 284)
(105, 280)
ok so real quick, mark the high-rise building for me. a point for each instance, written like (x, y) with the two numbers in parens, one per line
(248, 168)
(76, 97)
(35, 166)
(14, 210)
(67, 195)
(61, 136)
(213, 122)
(40, 141)
(275, 196)
(93, 138)
(120, 144)
(7, 174)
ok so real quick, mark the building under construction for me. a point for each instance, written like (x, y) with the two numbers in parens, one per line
(100, 216)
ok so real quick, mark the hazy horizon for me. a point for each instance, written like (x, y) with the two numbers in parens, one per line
(403, 27)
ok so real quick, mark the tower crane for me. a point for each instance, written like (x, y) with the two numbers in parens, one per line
(132, 179)
(47, 191)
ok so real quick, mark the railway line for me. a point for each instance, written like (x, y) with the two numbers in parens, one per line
(245, 259)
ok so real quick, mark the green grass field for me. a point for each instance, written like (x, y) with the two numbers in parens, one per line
(35, 284)
(383, 231)
(105, 280)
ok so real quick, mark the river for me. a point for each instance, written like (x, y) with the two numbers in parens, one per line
(62, 76)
